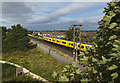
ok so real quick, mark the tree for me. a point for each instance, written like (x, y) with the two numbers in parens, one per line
(69, 34)
(17, 38)
(4, 30)
(30, 32)
(108, 41)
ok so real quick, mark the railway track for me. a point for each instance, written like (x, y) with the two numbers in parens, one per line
(65, 50)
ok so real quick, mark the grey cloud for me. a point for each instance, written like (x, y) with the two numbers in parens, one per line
(90, 23)
(16, 12)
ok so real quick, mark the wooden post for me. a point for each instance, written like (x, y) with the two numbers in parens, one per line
(49, 52)
(19, 70)
(76, 55)
(80, 39)
(74, 42)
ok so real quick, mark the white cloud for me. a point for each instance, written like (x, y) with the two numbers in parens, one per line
(71, 8)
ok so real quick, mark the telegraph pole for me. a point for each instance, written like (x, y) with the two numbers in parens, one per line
(80, 39)
(74, 42)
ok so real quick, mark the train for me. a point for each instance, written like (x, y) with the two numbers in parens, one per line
(66, 43)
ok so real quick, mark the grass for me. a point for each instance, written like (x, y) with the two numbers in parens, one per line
(35, 60)
(9, 75)
(58, 52)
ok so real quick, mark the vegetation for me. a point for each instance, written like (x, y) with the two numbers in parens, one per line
(9, 75)
(35, 60)
(102, 61)
(69, 35)
(30, 31)
(18, 49)
(15, 38)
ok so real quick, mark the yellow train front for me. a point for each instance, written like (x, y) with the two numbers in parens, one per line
(67, 43)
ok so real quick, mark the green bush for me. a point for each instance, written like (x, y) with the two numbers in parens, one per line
(15, 38)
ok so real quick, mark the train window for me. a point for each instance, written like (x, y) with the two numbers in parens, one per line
(87, 46)
(57, 41)
(71, 44)
(82, 46)
(49, 39)
(53, 40)
(64, 42)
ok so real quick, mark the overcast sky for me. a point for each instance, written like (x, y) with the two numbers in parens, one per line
(52, 15)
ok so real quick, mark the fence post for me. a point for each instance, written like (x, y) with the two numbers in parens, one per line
(49, 52)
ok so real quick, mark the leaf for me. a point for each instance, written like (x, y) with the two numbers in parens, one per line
(104, 59)
(54, 74)
(111, 13)
(85, 80)
(108, 43)
(67, 66)
(114, 75)
(78, 71)
(118, 42)
(114, 49)
(113, 25)
(94, 60)
(112, 67)
(116, 46)
(95, 71)
(86, 52)
(106, 18)
(63, 78)
(84, 58)
(113, 37)
(114, 54)
(82, 53)
(72, 74)
(75, 64)
(64, 70)
(113, 4)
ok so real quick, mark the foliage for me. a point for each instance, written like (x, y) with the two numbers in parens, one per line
(30, 31)
(4, 30)
(108, 40)
(102, 61)
(15, 38)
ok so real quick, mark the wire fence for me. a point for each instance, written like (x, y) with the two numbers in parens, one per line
(60, 58)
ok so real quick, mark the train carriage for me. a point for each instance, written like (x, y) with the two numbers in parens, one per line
(50, 39)
(53, 40)
(64, 43)
(83, 46)
(70, 44)
(58, 41)
(46, 38)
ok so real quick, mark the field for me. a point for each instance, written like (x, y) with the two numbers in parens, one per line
(35, 60)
